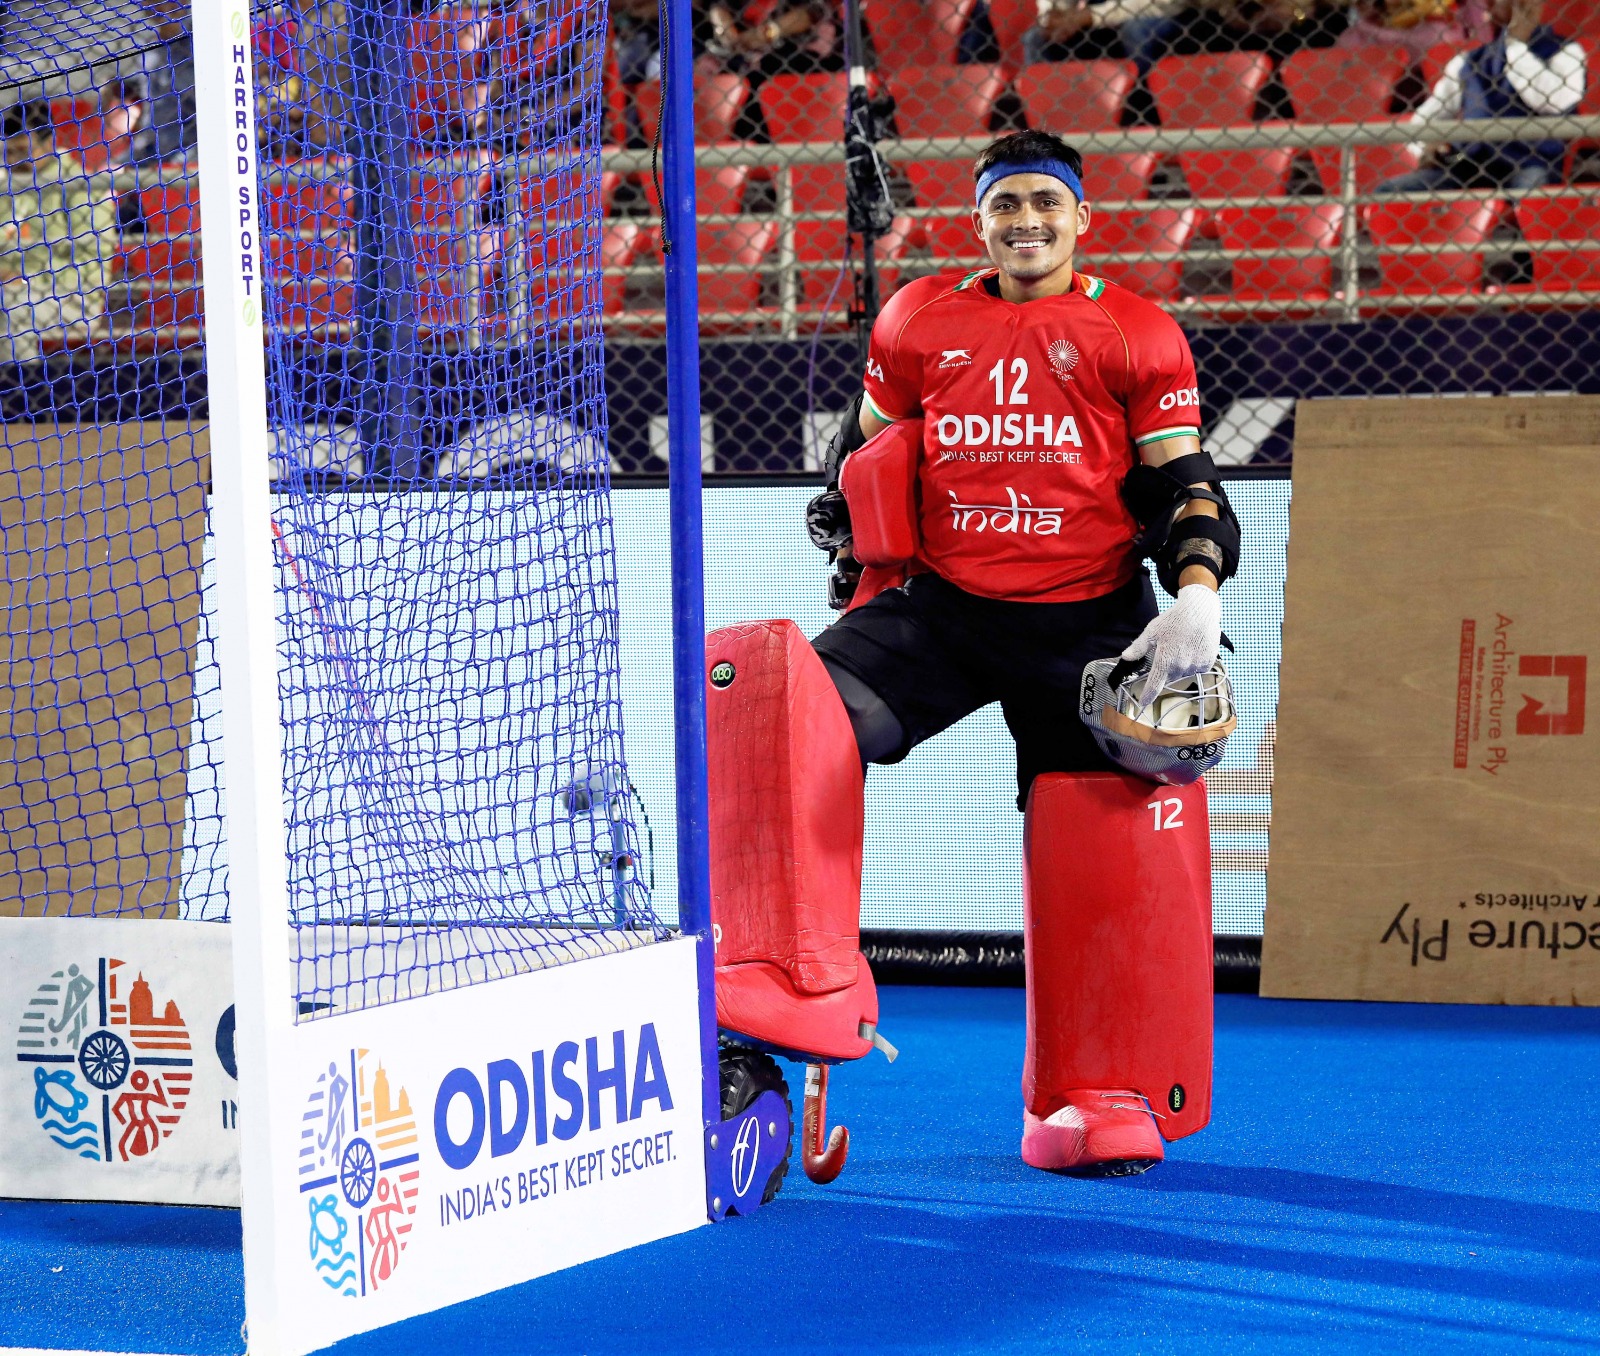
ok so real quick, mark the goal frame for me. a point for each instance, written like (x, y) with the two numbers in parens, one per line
(276, 1054)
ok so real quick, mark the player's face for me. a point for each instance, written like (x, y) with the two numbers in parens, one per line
(1029, 223)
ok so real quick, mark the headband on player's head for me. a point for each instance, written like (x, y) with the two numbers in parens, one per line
(1056, 169)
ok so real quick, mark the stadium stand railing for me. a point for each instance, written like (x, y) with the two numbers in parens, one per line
(1240, 189)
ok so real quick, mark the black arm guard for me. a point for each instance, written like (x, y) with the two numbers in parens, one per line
(1156, 495)
(828, 515)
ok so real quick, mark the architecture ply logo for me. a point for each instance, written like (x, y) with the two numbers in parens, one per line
(109, 1075)
(359, 1172)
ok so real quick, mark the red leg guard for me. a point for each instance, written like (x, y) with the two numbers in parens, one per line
(1117, 902)
(786, 828)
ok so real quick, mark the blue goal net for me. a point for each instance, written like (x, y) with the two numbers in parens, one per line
(429, 272)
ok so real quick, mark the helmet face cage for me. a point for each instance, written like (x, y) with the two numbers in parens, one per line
(1179, 738)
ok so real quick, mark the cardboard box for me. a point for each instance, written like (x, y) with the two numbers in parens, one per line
(1436, 806)
(103, 529)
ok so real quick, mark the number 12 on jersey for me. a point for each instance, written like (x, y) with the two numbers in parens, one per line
(997, 374)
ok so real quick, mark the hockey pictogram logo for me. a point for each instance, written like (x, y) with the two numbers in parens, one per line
(109, 1076)
(358, 1173)
(1063, 355)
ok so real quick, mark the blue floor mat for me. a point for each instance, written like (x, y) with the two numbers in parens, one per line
(1376, 1178)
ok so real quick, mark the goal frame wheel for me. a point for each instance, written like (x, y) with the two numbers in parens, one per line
(754, 1139)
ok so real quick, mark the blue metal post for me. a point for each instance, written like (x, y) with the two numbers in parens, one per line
(688, 572)
(386, 269)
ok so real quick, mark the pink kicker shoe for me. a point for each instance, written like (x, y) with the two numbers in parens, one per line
(1097, 1134)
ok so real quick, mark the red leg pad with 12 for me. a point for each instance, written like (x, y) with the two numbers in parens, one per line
(786, 827)
(1117, 905)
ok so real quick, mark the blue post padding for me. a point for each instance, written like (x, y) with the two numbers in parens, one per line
(688, 574)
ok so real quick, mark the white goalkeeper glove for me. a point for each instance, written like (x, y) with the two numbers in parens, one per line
(1182, 641)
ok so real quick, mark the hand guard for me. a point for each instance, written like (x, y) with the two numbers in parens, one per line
(1181, 642)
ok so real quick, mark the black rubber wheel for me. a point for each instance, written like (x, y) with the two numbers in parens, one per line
(745, 1075)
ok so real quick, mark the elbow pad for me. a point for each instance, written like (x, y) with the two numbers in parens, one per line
(1156, 495)
(848, 438)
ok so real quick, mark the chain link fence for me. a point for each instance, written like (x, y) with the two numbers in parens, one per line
(1254, 166)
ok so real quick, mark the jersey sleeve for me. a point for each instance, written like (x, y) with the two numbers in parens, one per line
(894, 372)
(1163, 394)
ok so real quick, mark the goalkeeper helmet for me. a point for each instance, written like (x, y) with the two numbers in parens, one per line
(1176, 738)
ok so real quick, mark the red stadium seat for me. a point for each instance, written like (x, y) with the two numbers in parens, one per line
(1455, 231)
(916, 32)
(823, 242)
(717, 192)
(1334, 85)
(809, 108)
(805, 107)
(1123, 177)
(1159, 236)
(944, 101)
(447, 68)
(443, 190)
(718, 101)
(1011, 20)
(86, 139)
(1572, 219)
(736, 253)
(308, 196)
(1237, 174)
(1218, 90)
(171, 209)
(952, 243)
(1075, 96)
(1436, 58)
(557, 280)
(1292, 228)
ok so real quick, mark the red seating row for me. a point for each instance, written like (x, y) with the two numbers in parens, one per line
(1425, 253)
(957, 101)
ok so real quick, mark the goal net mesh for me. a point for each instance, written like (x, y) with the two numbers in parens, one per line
(456, 800)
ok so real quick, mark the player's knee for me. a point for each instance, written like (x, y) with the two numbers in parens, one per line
(879, 734)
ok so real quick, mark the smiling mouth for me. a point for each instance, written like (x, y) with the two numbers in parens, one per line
(1028, 244)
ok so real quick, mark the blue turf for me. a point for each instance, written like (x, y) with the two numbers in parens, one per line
(1377, 1177)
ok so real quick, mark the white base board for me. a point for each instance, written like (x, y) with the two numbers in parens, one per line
(119, 1079)
(442, 1147)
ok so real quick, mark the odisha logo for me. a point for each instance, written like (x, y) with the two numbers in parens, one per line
(358, 1173)
(110, 1077)
(1063, 355)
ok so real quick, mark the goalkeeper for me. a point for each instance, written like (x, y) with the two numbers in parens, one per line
(1050, 422)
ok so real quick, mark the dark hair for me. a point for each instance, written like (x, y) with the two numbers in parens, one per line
(32, 116)
(1024, 148)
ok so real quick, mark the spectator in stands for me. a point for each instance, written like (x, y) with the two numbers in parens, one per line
(798, 37)
(1087, 30)
(280, 105)
(1527, 70)
(121, 107)
(636, 40)
(1418, 25)
(169, 131)
(1280, 27)
(537, 56)
(58, 235)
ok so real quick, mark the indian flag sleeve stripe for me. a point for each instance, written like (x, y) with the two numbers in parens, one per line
(872, 405)
(1162, 434)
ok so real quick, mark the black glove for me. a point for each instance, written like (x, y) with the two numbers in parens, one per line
(828, 521)
(828, 524)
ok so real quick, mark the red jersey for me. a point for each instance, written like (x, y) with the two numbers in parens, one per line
(1034, 413)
